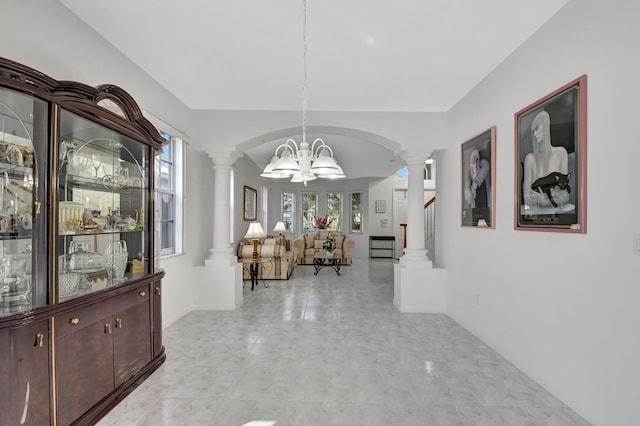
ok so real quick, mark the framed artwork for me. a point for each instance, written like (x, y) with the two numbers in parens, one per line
(381, 206)
(250, 203)
(478, 180)
(551, 162)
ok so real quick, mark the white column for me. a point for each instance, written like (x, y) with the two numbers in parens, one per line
(222, 166)
(417, 285)
(219, 283)
(415, 249)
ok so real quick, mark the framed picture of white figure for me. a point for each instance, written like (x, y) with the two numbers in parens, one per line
(551, 161)
(478, 180)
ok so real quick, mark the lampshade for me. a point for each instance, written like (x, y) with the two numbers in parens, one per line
(255, 231)
(303, 177)
(286, 164)
(324, 164)
(268, 171)
(339, 174)
(280, 227)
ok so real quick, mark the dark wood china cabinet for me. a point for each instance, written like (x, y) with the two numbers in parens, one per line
(80, 320)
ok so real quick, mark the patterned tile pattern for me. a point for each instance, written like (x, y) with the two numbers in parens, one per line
(329, 350)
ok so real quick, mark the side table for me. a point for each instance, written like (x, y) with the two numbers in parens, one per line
(255, 267)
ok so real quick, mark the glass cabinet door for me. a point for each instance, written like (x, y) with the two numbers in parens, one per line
(103, 207)
(23, 146)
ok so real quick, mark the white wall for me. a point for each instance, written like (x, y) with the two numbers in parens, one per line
(44, 35)
(178, 292)
(246, 173)
(562, 307)
(414, 132)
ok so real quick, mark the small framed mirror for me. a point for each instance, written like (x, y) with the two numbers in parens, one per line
(250, 203)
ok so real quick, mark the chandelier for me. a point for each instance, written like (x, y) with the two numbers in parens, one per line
(304, 162)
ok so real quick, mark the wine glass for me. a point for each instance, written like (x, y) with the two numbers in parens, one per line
(95, 160)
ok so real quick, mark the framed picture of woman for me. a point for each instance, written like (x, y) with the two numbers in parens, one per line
(478, 180)
(551, 162)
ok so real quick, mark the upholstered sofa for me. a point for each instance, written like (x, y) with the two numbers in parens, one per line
(307, 246)
(276, 248)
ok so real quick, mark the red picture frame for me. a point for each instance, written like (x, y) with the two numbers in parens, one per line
(478, 166)
(550, 190)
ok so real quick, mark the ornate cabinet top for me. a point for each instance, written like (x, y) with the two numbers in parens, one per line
(106, 104)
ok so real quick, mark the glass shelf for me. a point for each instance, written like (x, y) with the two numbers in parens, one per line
(19, 137)
(104, 192)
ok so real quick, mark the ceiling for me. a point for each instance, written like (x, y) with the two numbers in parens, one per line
(362, 55)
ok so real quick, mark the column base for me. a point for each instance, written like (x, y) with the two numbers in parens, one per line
(223, 253)
(411, 255)
(218, 285)
(418, 287)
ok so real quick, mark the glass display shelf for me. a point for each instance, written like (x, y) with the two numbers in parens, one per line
(21, 133)
(104, 200)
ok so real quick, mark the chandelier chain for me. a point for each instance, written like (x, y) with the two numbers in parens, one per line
(303, 163)
(304, 72)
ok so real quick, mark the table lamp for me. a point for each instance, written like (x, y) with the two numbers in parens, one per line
(280, 228)
(255, 231)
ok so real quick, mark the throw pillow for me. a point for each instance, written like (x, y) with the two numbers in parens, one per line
(309, 241)
(318, 244)
(338, 241)
(247, 251)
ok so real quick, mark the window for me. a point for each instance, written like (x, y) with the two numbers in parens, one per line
(264, 206)
(356, 212)
(169, 189)
(334, 210)
(169, 198)
(288, 210)
(309, 210)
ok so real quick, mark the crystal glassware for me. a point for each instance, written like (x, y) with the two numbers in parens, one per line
(117, 256)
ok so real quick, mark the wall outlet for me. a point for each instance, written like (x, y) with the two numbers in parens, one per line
(636, 243)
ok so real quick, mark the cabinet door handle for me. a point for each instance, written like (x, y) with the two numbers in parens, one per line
(142, 294)
(74, 321)
(39, 340)
(107, 328)
(118, 323)
(157, 291)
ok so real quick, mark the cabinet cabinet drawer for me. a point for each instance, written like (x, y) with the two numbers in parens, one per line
(131, 298)
(74, 321)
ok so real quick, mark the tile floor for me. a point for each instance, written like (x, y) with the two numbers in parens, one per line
(329, 350)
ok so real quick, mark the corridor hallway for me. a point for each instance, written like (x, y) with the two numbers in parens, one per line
(333, 350)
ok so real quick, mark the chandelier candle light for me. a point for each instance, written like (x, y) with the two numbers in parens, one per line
(305, 162)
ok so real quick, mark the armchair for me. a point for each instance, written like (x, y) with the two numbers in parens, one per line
(279, 249)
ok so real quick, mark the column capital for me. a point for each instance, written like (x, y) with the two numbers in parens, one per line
(223, 158)
(413, 158)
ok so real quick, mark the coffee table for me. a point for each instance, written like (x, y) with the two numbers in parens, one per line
(322, 259)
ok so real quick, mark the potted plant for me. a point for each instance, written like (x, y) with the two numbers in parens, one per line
(323, 222)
